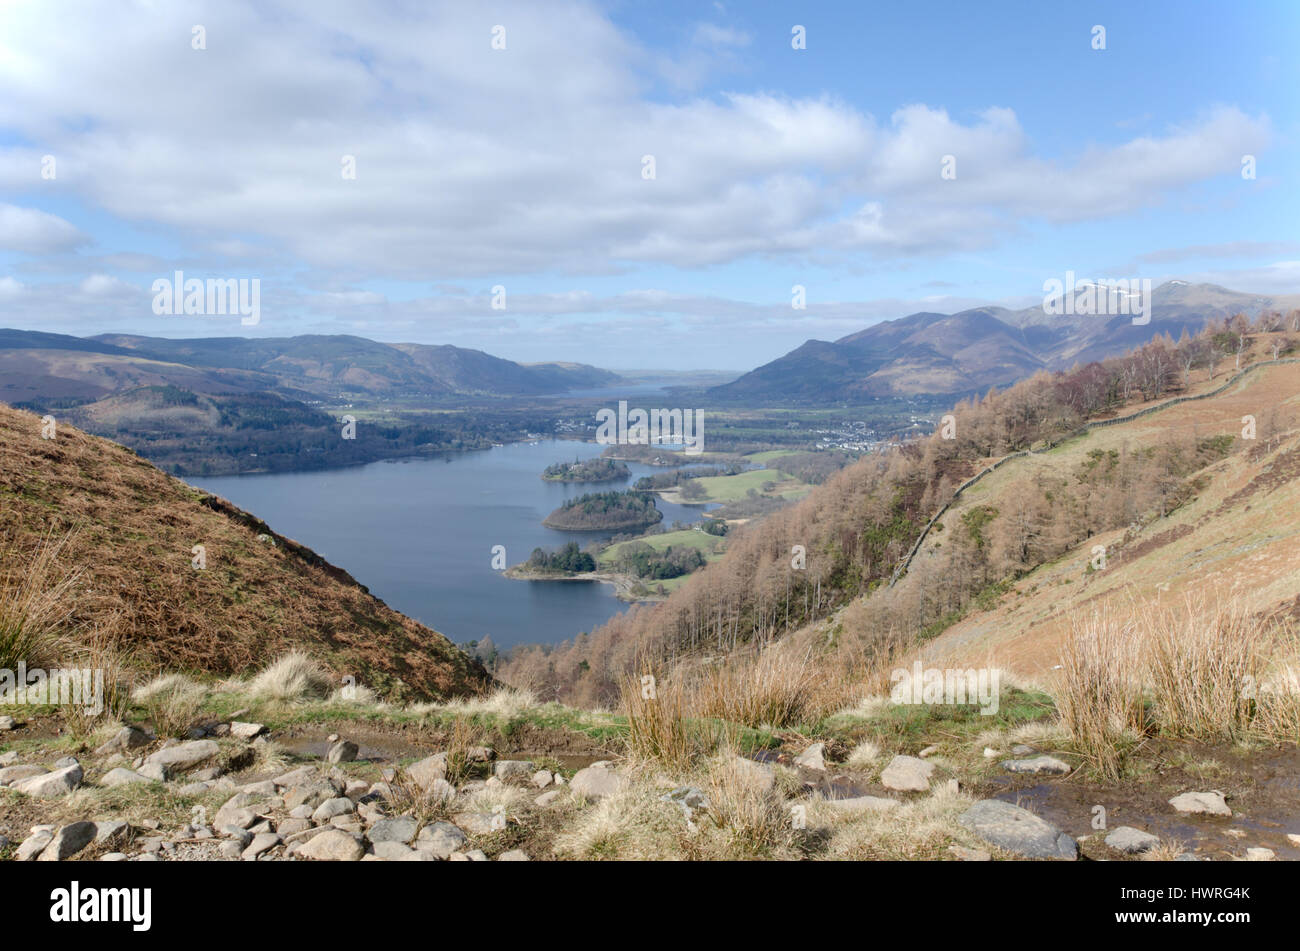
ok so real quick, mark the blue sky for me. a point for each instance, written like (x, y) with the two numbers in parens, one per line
(522, 167)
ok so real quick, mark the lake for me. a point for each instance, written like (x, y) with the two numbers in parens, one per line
(419, 534)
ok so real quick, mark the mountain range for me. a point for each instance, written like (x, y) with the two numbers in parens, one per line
(952, 355)
(35, 365)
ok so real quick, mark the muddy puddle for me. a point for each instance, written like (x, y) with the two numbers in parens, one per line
(1262, 789)
(391, 749)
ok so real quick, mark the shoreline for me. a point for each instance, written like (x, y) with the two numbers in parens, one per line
(622, 583)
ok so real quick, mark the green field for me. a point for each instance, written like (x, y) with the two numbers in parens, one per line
(763, 458)
(689, 538)
(732, 488)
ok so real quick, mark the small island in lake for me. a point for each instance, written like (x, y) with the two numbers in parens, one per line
(605, 511)
(598, 469)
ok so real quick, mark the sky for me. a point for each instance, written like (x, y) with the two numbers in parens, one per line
(634, 185)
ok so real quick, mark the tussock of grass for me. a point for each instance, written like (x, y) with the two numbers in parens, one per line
(1098, 693)
(920, 829)
(295, 677)
(634, 824)
(172, 703)
(35, 605)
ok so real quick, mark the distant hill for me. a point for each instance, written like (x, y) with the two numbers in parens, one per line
(130, 530)
(968, 352)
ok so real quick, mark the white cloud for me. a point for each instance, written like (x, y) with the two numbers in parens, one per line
(475, 163)
(33, 231)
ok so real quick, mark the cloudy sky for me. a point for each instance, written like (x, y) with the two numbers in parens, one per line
(126, 153)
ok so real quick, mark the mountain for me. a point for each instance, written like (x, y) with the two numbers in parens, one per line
(958, 354)
(131, 530)
(332, 364)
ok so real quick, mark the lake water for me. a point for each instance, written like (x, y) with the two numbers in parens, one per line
(419, 534)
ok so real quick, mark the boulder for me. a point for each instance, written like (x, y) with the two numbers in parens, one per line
(391, 851)
(543, 778)
(112, 833)
(514, 855)
(68, 841)
(1037, 765)
(812, 758)
(185, 756)
(34, 845)
(331, 808)
(343, 751)
(1130, 840)
(122, 777)
(332, 845)
(1018, 830)
(395, 829)
(154, 772)
(241, 730)
(127, 738)
(263, 842)
(594, 783)
(513, 770)
(440, 838)
(8, 723)
(296, 777)
(424, 772)
(51, 785)
(907, 774)
(11, 774)
(1211, 802)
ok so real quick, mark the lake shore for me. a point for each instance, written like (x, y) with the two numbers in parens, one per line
(623, 583)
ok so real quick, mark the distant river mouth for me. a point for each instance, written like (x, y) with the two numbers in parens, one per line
(420, 534)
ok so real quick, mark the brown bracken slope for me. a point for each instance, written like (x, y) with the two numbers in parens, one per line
(130, 529)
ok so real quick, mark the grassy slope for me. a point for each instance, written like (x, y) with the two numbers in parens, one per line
(133, 528)
(1242, 533)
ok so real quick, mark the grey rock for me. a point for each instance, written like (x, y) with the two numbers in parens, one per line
(688, 799)
(812, 758)
(263, 842)
(440, 838)
(424, 772)
(548, 797)
(332, 808)
(296, 777)
(194, 789)
(513, 770)
(68, 841)
(11, 774)
(344, 751)
(332, 845)
(122, 777)
(112, 833)
(391, 851)
(127, 738)
(1037, 765)
(209, 774)
(154, 772)
(264, 788)
(8, 723)
(1260, 855)
(396, 829)
(1131, 840)
(34, 845)
(1211, 802)
(245, 731)
(593, 783)
(907, 774)
(543, 778)
(232, 849)
(287, 827)
(1018, 830)
(185, 756)
(50, 785)
(113, 857)
(964, 854)
(514, 855)
(9, 758)
(1020, 749)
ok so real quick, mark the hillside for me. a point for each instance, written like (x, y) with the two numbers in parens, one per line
(129, 530)
(968, 352)
(1239, 534)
